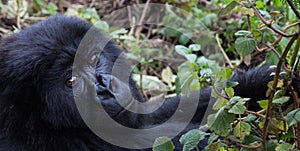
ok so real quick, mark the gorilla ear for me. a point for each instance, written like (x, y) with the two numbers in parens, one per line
(19, 59)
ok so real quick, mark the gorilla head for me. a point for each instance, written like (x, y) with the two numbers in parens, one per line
(36, 72)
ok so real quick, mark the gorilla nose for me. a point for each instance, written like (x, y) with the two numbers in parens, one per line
(100, 89)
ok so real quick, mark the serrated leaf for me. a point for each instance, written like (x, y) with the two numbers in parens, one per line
(281, 100)
(228, 8)
(163, 144)
(215, 146)
(238, 108)
(229, 91)
(221, 102)
(284, 146)
(293, 117)
(221, 122)
(235, 100)
(263, 104)
(241, 130)
(245, 45)
(191, 139)
(212, 138)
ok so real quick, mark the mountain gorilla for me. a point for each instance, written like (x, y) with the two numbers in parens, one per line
(39, 93)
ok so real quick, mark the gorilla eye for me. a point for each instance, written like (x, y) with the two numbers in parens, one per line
(93, 59)
(72, 81)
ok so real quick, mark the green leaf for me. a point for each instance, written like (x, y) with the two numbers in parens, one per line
(284, 146)
(238, 108)
(163, 144)
(228, 8)
(102, 25)
(52, 8)
(278, 3)
(212, 138)
(247, 11)
(186, 80)
(191, 57)
(221, 102)
(230, 84)
(293, 117)
(241, 130)
(235, 100)
(215, 146)
(260, 4)
(244, 45)
(229, 91)
(281, 100)
(195, 47)
(250, 118)
(242, 33)
(191, 139)
(184, 39)
(272, 59)
(182, 50)
(221, 122)
(263, 104)
(224, 74)
(39, 3)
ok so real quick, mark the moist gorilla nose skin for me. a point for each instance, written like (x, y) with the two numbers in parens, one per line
(37, 98)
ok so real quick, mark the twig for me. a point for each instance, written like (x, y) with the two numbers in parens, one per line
(139, 25)
(219, 94)
(223, 52)
(92, 4)
(257, 13)
(257, 114)
(249, 23)
(280, 37)
(294, 8)
(276, 77)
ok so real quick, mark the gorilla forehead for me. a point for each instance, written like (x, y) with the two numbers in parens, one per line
(36, 48)
(56, 33)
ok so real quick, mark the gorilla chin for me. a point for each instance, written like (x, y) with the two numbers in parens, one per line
(39, 79)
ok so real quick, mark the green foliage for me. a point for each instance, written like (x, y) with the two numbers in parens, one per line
(241, 130)
(293, 117)
(191, 139)
(50, 9)
(244, 45)
(163, 144)
(220, 122)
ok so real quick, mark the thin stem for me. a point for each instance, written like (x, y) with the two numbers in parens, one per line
(256, 11)
(294, 8)
(223, 52)
(273, 89)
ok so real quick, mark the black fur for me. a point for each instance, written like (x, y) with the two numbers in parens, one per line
(37, 109)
